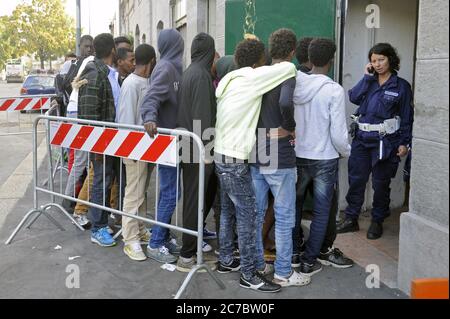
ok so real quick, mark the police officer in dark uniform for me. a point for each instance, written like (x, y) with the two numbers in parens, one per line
(382, 135)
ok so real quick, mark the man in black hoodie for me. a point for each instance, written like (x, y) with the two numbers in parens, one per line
(159, 109)
(197, 104)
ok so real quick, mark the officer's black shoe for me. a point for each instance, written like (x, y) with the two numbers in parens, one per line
(348, 225)
(375, 231)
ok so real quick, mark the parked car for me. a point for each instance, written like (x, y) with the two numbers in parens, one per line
(38, 85)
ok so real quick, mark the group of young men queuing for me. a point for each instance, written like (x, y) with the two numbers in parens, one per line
(275, 131)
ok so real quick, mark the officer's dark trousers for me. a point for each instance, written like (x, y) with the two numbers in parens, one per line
(363, 161)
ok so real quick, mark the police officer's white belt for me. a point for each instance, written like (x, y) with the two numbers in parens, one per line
(387, 127)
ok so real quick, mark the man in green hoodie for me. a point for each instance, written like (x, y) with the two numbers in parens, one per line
(239, 98)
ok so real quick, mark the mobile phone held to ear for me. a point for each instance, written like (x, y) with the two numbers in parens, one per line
(371, 70)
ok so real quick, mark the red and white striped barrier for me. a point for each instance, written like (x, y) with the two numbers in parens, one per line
(26, 103)
(115, 142)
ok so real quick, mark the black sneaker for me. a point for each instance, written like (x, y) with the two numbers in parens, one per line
(295, 263)
(310, 269)
(225, 269)
(375, 231)
(259, 283)
(335, 258)
(347, 226)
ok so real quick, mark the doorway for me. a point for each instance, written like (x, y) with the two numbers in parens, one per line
(398, 26)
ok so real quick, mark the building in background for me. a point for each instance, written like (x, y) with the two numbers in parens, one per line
(144, 19)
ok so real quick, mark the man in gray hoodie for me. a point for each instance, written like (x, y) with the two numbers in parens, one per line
(322, 138)
(159, 109)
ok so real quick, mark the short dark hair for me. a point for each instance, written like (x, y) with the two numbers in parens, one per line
(144, 54)
(282, 42)
(390, 52)
(121, 39)
(301, 53)
(103, 45)
(86, 37)
(70, 55)
(321, 51)
(122, 53)
(248, 53)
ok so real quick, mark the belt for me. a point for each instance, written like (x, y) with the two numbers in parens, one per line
(388, 127)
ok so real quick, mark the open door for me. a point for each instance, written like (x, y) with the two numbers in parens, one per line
(398, 24)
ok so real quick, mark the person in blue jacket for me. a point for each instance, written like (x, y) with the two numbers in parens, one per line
(382, 131)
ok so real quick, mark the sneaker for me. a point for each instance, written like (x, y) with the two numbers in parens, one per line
(233, 267)
(206, 248)
(134, 251)
(295, 262)
(236, 253)
(186, 264)
(295, 279)
(335, 258)
(145, 238)
(348, 225)
(259, 283)
(310, 269)
(102, 238)
(173, 247)
(269, 269)
(207, 234)
(161, 255)
(109, 230)
(82, 220)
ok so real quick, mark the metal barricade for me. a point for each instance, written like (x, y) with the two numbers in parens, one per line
(130, 142)
(15, 118)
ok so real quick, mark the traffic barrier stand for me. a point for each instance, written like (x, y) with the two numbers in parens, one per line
(103, 143)
(12, 111)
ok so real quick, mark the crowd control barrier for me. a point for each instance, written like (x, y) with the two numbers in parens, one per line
(122, 142)
(17, 113)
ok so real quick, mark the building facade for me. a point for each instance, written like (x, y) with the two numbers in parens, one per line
(144, 19)
(424, 230)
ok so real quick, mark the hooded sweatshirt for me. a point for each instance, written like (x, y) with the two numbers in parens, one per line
(320, 116)
(239, 104)
(160, 104)
(225, 65)
(197, 101)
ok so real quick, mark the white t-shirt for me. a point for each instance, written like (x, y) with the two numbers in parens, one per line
(131, 95)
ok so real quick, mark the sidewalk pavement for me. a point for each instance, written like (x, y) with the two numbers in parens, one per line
(31, 268)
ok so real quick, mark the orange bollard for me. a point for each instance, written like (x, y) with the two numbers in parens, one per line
(432, 288)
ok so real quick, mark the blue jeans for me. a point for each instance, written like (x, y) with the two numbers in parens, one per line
(282, 185)
(101, 190)
(324, 174)
(237, 201)
(166, 204)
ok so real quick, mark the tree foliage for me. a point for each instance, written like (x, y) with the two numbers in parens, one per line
(41, 28)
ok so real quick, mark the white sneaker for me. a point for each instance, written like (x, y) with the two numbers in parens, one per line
(82, 220)
(135, 252)
(296, 279)
(206, 248)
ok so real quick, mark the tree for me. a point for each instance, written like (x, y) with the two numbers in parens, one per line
(10, 41)
(43, 29)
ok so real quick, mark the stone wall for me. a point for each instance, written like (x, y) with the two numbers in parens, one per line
(424, 231)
